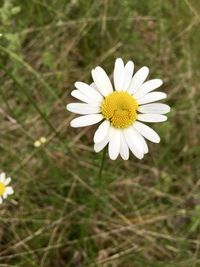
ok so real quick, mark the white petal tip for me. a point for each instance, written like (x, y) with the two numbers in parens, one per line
(73, 125)
(159, 82)
(76, 83)
(119, 59)
(96, 149)
(93, 71)
(156, 141)
(113, 158)
(125, 159)
(164, 118)
(130, 62)
(97, 68)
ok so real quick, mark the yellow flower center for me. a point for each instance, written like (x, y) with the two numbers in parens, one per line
(120, 109)
(2, 188)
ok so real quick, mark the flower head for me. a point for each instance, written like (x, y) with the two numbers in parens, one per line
(4, 189)
(39, 142)
(120, 109)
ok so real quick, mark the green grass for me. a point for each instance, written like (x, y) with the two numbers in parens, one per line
(141, 213)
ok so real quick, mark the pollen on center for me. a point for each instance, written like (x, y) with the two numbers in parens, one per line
(120, 108)
(2, 188)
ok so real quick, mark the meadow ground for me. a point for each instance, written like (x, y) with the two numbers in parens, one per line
(141, 213)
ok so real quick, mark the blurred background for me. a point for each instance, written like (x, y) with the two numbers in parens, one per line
(141, 213)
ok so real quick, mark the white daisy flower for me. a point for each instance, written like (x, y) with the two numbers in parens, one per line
(4, 189)
(121, 109)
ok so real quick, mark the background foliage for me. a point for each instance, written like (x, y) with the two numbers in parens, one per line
(142, 213)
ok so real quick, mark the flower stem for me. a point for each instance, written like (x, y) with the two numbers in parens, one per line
(102, 164)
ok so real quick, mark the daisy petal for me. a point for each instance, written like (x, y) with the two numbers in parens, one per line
(5, 195)
(93, 85)
(88, 91)
(101, 132)
(145, 146)
(104, 81)
(80, 96)
(99, 146)
(99, 81)
(138, 79)
(155, 108)
(81, 108)
(114, 145)
(86, 120)
(124, 150)
(2, 177)
(148, 87)
(9, 190)
(128, 73)
(151, 117)
(142, 141)
(7, 181)
(133, 142)
(151, 97)
(1, 200)
(147, 132)
(118, 75)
